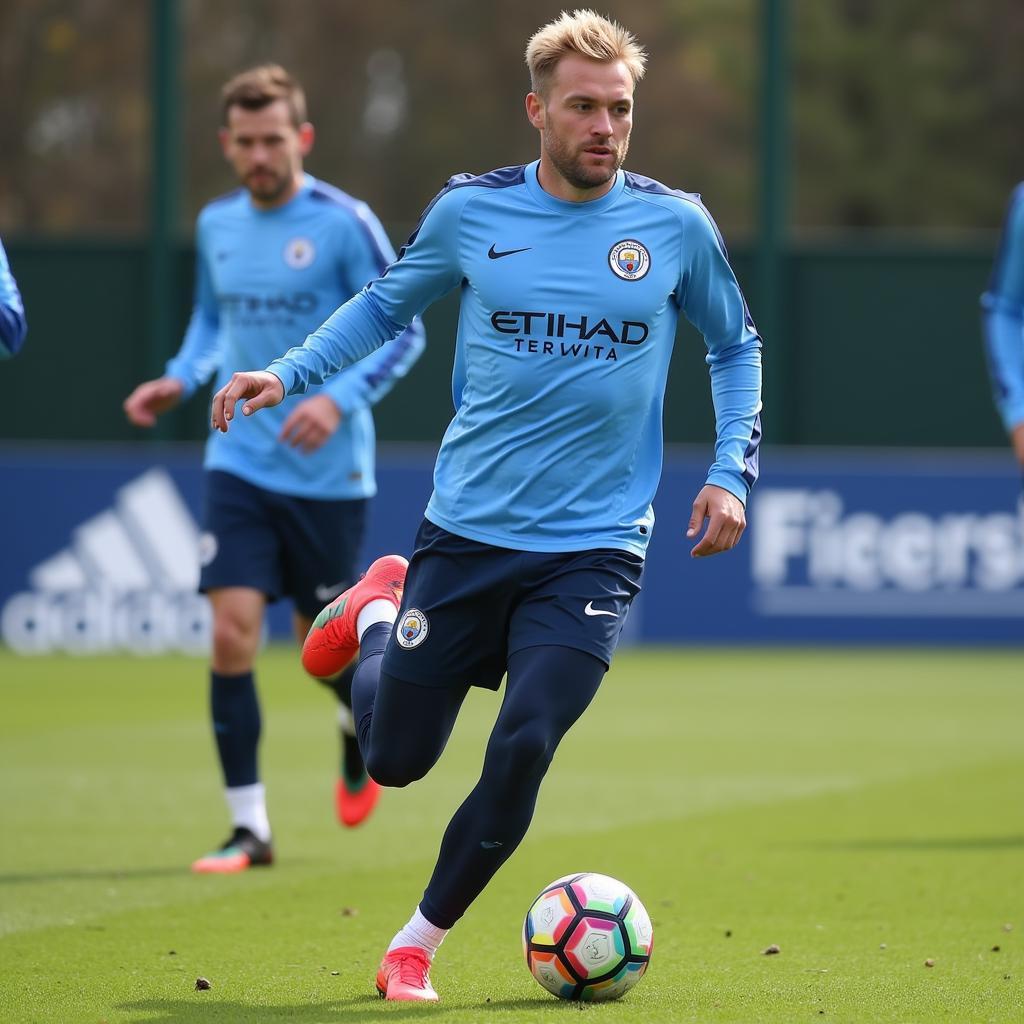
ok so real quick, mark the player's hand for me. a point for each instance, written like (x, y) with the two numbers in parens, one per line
(151, 399)
(1017, 439)
(260, 389)
(726, 519)
(311, 423)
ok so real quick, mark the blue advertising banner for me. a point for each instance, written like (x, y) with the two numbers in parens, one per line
(849, 547)
(101, 550)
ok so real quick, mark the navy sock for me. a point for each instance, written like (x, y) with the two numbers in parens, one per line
(364, 682)
(341, 684)
(351, 759)
(235, 709)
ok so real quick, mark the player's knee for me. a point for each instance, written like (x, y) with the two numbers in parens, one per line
(234, 642)
(526, 752)
(396, 769)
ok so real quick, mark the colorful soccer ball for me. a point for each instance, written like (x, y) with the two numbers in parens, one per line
(587, 937)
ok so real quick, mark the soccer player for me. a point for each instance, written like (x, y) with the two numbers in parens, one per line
(1003, 316)
(285, 499)
(572, 273)
(12, 311)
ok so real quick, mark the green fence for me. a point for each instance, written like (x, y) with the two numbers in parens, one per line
(881, 346)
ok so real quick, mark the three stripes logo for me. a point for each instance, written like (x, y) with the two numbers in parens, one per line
(125, 581)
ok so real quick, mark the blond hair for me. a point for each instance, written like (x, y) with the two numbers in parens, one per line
(258, 87)
(587, 34)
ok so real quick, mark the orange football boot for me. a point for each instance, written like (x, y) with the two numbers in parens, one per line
(404, 975)
(332, 641)
(241, 852)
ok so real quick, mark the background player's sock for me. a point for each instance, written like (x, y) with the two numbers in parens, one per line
(249, 809)
(372, 642)
(352, 765)
(235, 710)
(379, 610)
(419, 932)
(351, 759)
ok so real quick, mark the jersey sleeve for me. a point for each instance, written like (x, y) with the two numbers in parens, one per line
(200, 354)
(1003, 317)
(367, 255)
(13, 326)
(711, 300)
(427, 268)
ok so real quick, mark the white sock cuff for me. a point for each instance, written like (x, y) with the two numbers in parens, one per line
(419, 932)
(346, 722)
(248, 806)
(378, 610)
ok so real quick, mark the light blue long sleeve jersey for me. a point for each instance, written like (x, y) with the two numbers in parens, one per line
(12, 312)
(265, 278)
(566, 328)
(1003, 315)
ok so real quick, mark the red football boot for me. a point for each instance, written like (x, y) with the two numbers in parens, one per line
(354, 801)
(405, 975)
(333, 641)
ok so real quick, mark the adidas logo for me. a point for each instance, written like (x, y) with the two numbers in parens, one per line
(126, 581)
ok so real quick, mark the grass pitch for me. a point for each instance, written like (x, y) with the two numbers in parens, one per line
(863, 811)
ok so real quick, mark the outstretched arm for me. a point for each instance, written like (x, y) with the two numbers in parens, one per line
(12, 312)
(426, 269)
(312, 422)
(1003, 318)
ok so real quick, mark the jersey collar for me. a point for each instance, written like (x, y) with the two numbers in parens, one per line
(551, 202)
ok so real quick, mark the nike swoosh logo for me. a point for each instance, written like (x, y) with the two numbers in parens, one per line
(591, 610)
(495, 255)
(490, 846)
(325, 594)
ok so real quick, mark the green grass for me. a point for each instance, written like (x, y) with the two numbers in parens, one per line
(862, 810)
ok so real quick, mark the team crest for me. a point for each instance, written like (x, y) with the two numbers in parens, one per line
(299, 253)
(411, 629)
(629, 260)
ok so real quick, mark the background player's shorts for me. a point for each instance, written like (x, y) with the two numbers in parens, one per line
(301, 548)
(468, 606)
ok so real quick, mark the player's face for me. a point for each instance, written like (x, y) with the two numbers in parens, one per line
(584, 119)
(266, 150)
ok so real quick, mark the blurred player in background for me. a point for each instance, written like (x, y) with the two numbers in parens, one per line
(12, 311)
(285, 499)
(1003, 315)
(572, 275)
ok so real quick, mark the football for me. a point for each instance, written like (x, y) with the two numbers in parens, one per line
(587, 936)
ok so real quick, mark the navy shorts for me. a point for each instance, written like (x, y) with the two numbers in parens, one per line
(469, 606)
(302, 548)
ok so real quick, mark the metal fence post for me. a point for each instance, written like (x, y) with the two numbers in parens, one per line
(164, 181)
(770, 312)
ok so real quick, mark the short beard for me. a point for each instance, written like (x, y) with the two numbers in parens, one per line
(570, 165)
(270, 192)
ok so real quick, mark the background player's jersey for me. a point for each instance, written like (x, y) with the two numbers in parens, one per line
(566, 328)
(1003, 306)
(266, 278)
(12, 312)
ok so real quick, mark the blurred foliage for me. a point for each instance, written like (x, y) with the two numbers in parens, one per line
(908, 114)
(904, 115)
